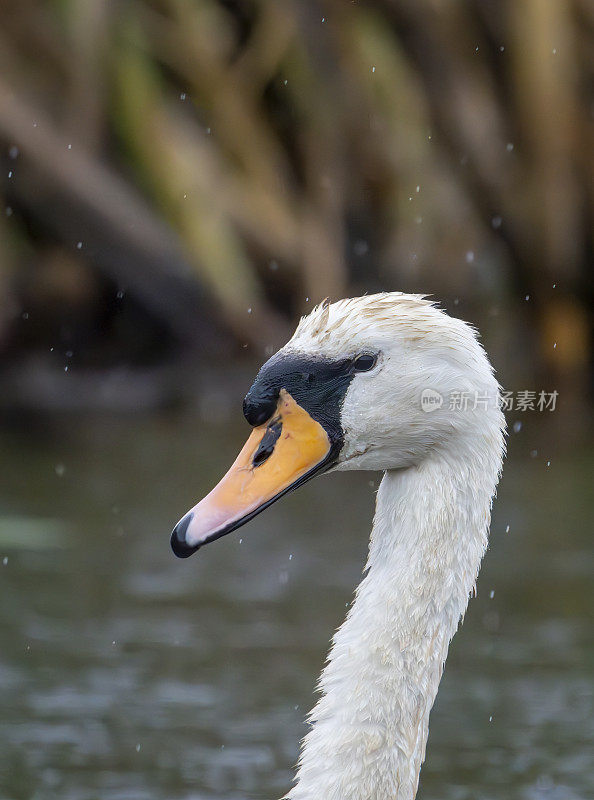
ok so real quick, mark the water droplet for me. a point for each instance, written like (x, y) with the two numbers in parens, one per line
(182, 96)
(373, 69)
(79, 245)
(5, 560)
(517, 426)
(507, 528)
(509, 147)
(492, 593)
(496, 222)
(469, 257)
(60, 470)
(138, 747)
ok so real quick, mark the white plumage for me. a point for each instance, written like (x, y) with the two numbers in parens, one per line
(370, 725)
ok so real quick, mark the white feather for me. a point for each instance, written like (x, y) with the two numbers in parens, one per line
(370, 725)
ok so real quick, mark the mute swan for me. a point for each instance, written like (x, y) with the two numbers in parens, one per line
(383, 382)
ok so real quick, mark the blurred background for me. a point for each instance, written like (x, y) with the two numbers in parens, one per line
(180, 180)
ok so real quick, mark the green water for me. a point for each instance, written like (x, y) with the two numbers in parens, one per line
(127, 674)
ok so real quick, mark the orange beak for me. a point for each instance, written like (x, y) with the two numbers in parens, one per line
(278, 456)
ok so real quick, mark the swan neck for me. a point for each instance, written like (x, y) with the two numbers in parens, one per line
(370, 725)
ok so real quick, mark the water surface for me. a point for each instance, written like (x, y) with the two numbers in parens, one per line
(127, 674)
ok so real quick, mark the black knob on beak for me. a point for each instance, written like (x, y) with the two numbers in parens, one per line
(260, 404)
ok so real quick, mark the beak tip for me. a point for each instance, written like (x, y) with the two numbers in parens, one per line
(179, 542)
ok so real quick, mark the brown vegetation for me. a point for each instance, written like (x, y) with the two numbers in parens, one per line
(207, 158)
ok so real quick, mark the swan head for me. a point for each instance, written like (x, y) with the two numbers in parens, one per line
(379, 382)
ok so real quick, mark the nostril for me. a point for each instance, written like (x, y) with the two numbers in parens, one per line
(270, 438)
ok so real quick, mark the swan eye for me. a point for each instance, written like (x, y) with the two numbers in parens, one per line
(364, 362)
